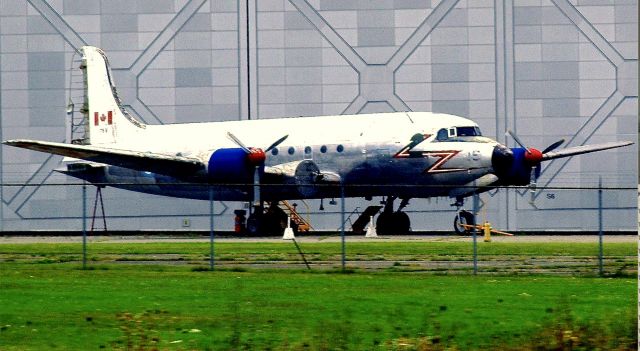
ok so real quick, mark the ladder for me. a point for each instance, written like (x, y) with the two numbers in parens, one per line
(304, 224)
(77, 103)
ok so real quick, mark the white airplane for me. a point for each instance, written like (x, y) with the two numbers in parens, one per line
(401, 155)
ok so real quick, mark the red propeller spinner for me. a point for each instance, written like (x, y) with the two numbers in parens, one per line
(256, 156)
(533, 157)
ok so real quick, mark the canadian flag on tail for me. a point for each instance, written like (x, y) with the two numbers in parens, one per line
(102, 118)
(106, 119)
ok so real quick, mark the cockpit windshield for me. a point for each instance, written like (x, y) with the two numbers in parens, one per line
(464, 134)
(468, 131)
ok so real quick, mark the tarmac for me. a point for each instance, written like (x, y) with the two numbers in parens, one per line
(312, 239)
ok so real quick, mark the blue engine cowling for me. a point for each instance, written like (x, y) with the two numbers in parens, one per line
(231, 166)
(515, 170)
(521, 171)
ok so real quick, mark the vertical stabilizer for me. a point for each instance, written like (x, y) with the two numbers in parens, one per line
(107, 121)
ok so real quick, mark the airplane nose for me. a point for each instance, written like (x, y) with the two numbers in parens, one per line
(501, 159)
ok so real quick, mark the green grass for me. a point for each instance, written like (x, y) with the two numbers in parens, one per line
(59, 307)
(48, 302)
(579, 259)
(353, 249)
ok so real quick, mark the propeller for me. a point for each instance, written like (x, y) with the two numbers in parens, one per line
(515, 137)
(553, 146)
(256, 158)
(522, 165)
(276, 143)
(533, 158)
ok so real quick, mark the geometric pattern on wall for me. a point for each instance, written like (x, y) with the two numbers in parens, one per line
(529, 66)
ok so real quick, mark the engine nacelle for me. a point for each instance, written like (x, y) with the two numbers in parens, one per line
(231, 165)
(519, 173)
(306, 177)
(305, 174)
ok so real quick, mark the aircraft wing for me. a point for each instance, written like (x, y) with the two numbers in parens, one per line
(141, 161)
(577, 150)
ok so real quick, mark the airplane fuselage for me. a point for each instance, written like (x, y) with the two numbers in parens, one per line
(366, 152)
(400, 154)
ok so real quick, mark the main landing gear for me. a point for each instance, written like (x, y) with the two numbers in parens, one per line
(267, 222)
(463, 218)
(393, 222)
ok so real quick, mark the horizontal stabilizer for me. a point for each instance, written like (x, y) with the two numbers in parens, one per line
(142, 161)
(584, 149)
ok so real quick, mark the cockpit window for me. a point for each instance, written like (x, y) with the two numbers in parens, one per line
(468, 131)
(461, 134)
(443, 135)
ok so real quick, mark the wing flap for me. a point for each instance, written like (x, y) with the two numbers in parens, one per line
(141, 161)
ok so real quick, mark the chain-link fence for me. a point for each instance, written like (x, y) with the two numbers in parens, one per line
(558, 230)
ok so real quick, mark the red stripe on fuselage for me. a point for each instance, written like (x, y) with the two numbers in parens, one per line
(444, 156)
(437, 167)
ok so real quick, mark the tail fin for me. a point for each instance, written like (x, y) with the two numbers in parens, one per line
(106, 121)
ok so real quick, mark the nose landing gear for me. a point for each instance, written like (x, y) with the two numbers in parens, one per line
(465, 220)
(462, 221)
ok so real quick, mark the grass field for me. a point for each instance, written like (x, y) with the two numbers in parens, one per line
(48, 302)
(577, 259)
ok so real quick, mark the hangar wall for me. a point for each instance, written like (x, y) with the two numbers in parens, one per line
(547, 69)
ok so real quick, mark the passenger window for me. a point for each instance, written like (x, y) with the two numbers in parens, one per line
(452, 132)
(291, 150)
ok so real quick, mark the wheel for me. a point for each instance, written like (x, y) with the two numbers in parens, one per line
(401, 223)
(389, 223)
(384, 223)
(274, 221)
(463, 217)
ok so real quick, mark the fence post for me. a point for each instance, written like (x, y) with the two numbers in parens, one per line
(600, 231)
(84, 225)
(475, 232)
(342, 220)
(211, 230)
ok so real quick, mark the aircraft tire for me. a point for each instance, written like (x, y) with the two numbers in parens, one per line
(393, 223)
(463, 217)
(384, 223)
(401, 223)
(269, 224)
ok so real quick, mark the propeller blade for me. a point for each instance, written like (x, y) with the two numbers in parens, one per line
(577, 150)
(276, 143)
(533, 179)
(553, 146)
(515, 137)
(238, 142)
(256, 185)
